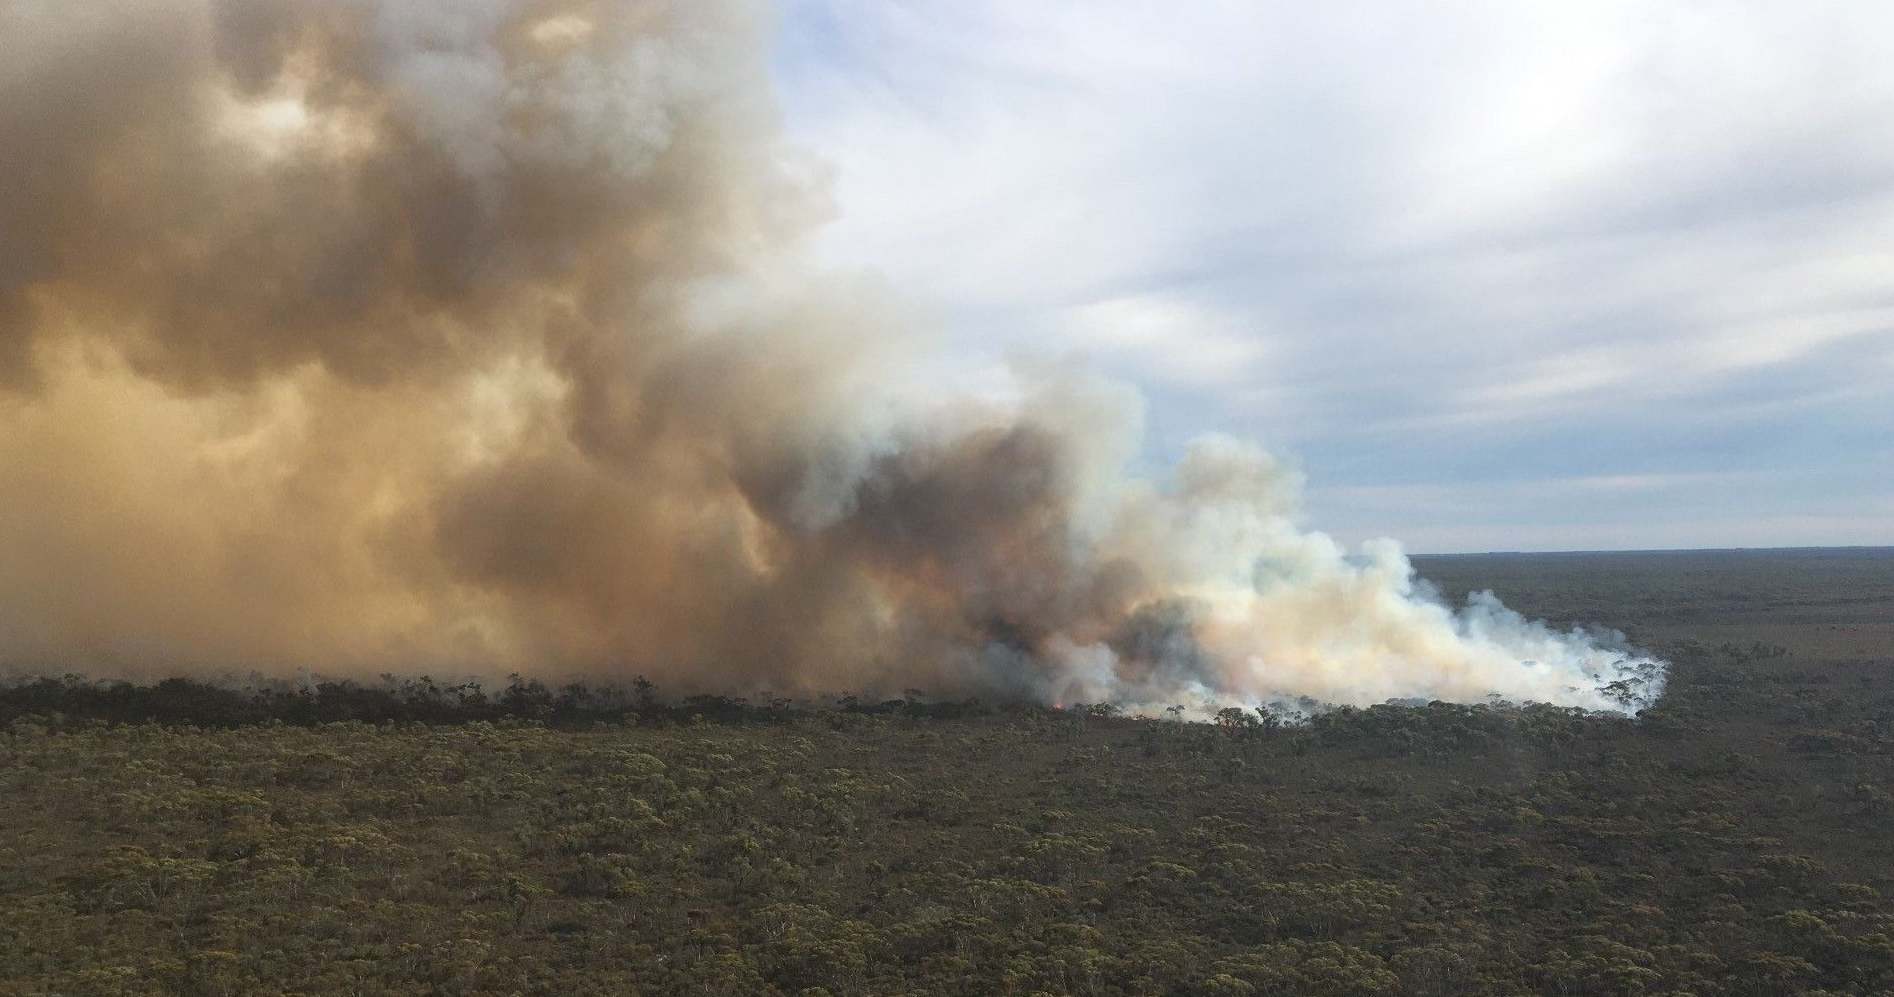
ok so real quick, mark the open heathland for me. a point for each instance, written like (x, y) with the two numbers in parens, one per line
(1736, 839)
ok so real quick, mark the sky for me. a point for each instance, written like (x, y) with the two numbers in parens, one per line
(1494, 276)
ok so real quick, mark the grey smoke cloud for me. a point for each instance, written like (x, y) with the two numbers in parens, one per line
(371, 336)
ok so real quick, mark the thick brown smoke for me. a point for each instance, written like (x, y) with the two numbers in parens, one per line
(362, 335)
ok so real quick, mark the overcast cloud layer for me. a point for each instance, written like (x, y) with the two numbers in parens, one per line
(1498, 276)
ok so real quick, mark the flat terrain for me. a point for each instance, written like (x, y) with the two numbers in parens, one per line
(1737, 839)
(1825, 604)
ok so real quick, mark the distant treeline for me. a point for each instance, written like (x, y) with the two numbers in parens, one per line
(423, 700)
(1390, 729)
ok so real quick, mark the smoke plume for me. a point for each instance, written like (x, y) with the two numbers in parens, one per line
(367, 335)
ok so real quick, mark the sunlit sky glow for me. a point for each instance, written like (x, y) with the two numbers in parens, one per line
(1495, 275)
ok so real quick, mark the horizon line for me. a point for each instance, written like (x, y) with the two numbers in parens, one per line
(1662, 550)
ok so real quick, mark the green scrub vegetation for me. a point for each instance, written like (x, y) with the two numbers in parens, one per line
(1733, 840)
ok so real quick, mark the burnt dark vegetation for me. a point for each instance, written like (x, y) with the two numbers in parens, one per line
(409, 836)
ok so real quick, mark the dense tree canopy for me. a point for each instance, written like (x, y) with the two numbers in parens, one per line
(1732, 841)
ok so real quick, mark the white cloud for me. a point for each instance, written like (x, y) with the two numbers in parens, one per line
(1171, 338)
(1411, 239)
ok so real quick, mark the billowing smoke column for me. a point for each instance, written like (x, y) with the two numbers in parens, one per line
(368, 335)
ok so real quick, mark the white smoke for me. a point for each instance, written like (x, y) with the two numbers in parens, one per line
(365, 335)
